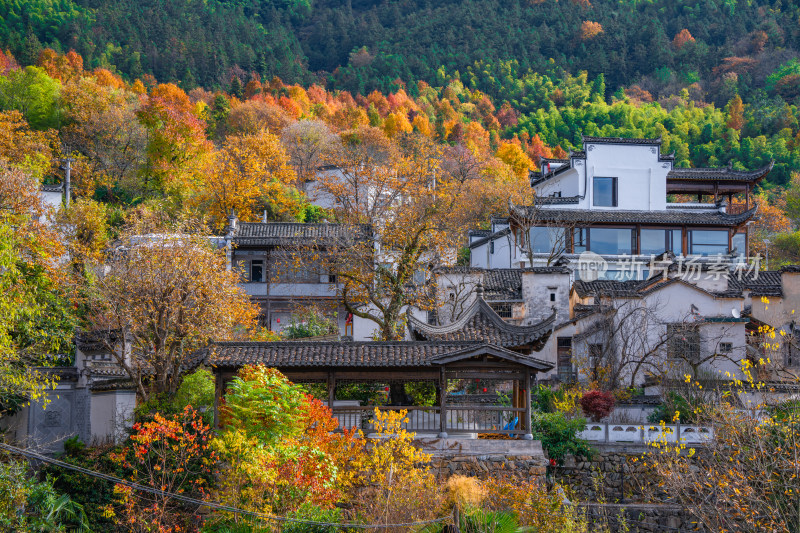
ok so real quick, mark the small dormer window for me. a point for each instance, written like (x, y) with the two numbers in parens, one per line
(552, 297)
(604, 192)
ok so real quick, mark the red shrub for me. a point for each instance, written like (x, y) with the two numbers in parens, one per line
(597, 404)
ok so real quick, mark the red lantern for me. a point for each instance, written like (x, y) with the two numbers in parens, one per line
(386, 389)
(484, 389)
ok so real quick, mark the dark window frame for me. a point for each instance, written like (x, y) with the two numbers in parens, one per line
(586, 238)
(669, 241)
(614, 191)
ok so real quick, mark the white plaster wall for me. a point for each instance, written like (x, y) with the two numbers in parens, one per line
(479, 256)
(642, 179)
(536, 290)
(502, 255)
(52, 199)
(567, 183)
(110, 413)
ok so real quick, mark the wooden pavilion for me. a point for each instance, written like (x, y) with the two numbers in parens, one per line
(480, 346)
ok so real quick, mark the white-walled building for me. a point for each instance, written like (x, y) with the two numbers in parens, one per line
(618, 199)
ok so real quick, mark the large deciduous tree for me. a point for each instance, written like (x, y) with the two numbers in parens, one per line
(306, 141)
(35, 318)
(249, 173)
(416, 212)
(163, 296)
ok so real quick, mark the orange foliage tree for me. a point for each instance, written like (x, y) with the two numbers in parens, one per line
(682, 38)
(249, 173)
(168, 290)
(590, 30)
(177, 144)
(171, 454)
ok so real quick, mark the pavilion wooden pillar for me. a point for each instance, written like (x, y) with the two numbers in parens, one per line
(442, 404)
(527, 397)
(331, 388)
(218, 386)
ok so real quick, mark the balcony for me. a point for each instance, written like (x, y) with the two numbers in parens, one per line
(290, 290)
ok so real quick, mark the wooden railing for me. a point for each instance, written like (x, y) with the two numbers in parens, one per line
(458, 419)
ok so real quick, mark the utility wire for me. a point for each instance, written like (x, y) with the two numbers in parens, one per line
(263, 516)
(201, 503)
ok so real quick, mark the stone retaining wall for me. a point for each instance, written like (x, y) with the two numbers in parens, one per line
(641, 518)
(611, 476)
(483, 466)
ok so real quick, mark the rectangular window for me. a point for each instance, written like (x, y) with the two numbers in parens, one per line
(683, 341)
(547, 240)
(725, 347)
(605, 192)
(503, 310)
(580, 240)
(739, 243)
(564, 354)
(257, 271)
(611, 241)
(708, 242)
(658, 241)
(432, 317)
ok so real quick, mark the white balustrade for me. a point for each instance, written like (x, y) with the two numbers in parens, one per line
(646, 433)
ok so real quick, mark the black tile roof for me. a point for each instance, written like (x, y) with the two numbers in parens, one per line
(790, 268)
(502, 284)
(557, 200)
(762, 283)
(620, 140)
(610, 288)
(285, 233)
(719, 174)
(491, 237)
(637, 217)
(390, 354)
(480, 322)
(638, 289)
(52, 188)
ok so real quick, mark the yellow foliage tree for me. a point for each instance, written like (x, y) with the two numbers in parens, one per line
(590, 30)
(515, 157)
(249, 172)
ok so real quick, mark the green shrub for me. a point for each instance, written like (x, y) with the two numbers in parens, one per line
(559, 435)
(314, 514)
(197, 390)
(542, 399)
(674, 402)
(35, 506)
(92, 493)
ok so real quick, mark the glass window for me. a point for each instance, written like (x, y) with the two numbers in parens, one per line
(708, 242)
(611, 241)
(653, 241)
(675, 241)
(257, 271)
(657, 241)
(579, 239)
(547, 240)
(739, 243)
(605, 192)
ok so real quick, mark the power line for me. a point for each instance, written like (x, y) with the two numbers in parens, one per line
(201, 503)
(264, 516)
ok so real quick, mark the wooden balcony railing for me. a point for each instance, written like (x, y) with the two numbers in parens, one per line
(459, 419)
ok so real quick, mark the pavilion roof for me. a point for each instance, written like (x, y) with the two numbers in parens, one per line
(481, 323)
